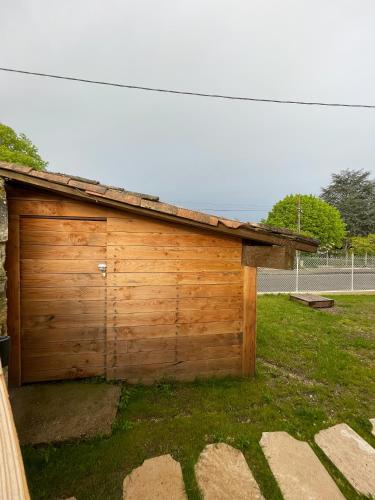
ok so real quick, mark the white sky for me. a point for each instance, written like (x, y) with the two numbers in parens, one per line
(193, 151)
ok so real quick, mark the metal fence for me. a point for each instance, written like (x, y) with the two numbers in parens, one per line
(321, 272)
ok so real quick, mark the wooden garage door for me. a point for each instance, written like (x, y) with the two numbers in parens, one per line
(63, 319)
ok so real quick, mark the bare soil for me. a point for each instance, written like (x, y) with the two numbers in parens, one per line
(52, 412)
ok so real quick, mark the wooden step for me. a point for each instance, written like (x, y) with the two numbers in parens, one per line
(315, 301)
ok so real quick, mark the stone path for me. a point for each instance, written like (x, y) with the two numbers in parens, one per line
(158, 478)
(222, 473)
(297, 469)
(351, 454)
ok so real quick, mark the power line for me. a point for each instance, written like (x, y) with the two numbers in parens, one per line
(190, 93)
(234, 209)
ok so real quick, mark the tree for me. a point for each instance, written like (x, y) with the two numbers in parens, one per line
(19, 149)
(318, 219)
(363, 245)
(352, 192)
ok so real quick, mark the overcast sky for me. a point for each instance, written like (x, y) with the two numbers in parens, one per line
(198, 152)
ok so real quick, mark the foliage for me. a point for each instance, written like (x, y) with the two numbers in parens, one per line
(362, 245)
(318, 219)
(352, 192)
(315, 369)
(19, 149)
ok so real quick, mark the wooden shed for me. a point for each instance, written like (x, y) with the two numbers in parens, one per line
(106, 282)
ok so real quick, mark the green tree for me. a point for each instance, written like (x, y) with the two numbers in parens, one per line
(19, 149)
(318, 219)
(363, 245)
(352, 192)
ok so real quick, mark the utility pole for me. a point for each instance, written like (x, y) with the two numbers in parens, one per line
(298, 230)
(299, 213)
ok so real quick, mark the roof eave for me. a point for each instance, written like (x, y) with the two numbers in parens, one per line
(245, 231)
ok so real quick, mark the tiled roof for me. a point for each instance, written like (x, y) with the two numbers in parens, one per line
(92, 188)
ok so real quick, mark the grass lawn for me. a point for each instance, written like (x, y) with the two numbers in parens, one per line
(315, 369)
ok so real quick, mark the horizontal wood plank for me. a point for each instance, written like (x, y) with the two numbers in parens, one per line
(169, 240)
(31, 374)
(168, 266)
(158, 331)
(56, 307)
(186, 370)
(68, 266)
(141, 279)
(181, 344)
(166, 253)
(171, 317)
(149, 305)
(67, 361)
(60, 208)
(32, 336)
(62, 280)
(78, 238)
(62, 321)
(67, 293)
(31, 224)
(40, 346)
(174, 291)
(60, 252)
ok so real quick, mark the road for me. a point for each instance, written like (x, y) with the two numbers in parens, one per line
(316, 280)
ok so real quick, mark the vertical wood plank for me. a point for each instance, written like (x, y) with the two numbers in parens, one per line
(249, 320)
(12, 266)
(13, 483)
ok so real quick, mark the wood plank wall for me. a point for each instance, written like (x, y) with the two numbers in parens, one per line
(174, 298)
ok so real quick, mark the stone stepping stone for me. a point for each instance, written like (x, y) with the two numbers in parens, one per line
(351, 454)
(297, 470)
(222, 473)
(158, 478)
(372, 420)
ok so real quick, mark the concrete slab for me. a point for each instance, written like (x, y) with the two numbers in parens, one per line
(53, 412)
(297, 470)
(372, 421)
(222, 473)
(158, 478)
(351, 454)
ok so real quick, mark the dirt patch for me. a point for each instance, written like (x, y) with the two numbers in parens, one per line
(287, 373)
(335, 310)
(46, 413)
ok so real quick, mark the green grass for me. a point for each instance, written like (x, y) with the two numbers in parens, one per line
(315, 369)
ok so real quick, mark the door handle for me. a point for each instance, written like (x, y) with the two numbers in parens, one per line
(103, 269)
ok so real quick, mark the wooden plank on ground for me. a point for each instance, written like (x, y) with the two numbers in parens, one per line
(311, 300)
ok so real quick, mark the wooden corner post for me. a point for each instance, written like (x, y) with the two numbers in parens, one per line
(12, 266)
(249, 319)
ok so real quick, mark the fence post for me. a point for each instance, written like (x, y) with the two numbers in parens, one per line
(352, 280)
(297, 270)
